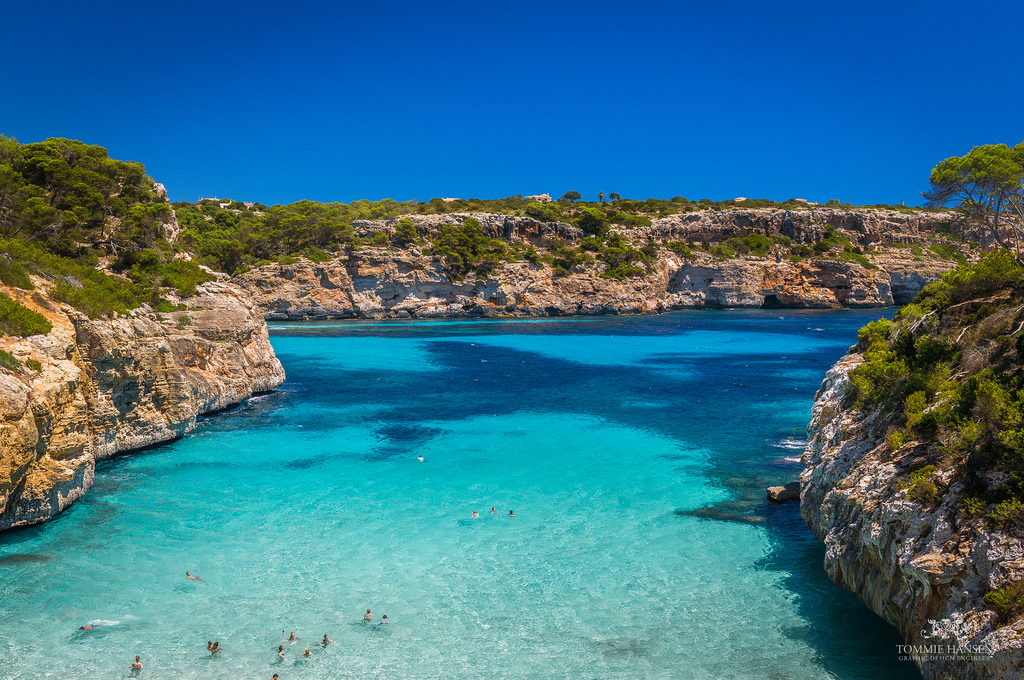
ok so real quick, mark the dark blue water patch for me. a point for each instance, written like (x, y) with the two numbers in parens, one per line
(796, 322)
(22, 558)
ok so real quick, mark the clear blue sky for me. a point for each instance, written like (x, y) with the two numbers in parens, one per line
(277, 102)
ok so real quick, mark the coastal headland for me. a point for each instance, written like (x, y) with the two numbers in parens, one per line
(90, 389)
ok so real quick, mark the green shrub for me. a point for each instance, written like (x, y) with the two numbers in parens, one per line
(184, 276)
(183, 321)
(751, 244)
(77, 284)
(317, 254)
(948, 251)
(465, 248)
(14, 275)
(405, 234)
(8, 361)
(378, 240)
(544, 212)
(850, 256)
(681, 248)
(34, 365)
(166, 307)
(1007, 514)
(1007, 602)
(873, 332)
(18, 320)
(972, 505)
(592, 221)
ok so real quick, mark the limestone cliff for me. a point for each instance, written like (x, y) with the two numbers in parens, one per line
(108, 386)
(383, 282)
(923, 566)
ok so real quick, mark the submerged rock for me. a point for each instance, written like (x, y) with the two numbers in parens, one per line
(781, 494)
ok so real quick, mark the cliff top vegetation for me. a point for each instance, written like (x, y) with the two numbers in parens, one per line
(102, 232)
(67, 208)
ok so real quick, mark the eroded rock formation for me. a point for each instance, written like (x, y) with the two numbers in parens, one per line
(109, 386)
(388, 282)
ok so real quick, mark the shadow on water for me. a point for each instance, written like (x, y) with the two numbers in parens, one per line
(832, 613)
(22, 558)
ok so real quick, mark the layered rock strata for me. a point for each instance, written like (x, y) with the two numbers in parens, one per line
(923, 569)
(388, 282)
(108, 386)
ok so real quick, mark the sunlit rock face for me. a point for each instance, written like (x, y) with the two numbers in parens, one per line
(391, 282)
(113, 385)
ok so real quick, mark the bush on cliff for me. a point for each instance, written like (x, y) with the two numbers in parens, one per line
(405, 234)
(464, 248)
(1008, 602)
(948, 369)
(9, 361)
(18, 320)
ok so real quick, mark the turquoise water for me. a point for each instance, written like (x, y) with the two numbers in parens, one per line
(634, 452)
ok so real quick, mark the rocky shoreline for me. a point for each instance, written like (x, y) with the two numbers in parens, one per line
(393, 282)
(106, 387)
(923, 569)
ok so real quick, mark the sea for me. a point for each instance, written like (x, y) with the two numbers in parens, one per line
(530, 498)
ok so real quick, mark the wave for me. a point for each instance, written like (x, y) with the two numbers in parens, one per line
(791, 444)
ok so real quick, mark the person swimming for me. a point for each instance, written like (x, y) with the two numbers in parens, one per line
(326, 641)
(215, 649)
(419, 458)
(383, 620)
(511, 514)
(280, 652)
(493, 511)
(193, 577)
(209, 645)
(137, 664)
(367, 617)
(307, 652)
(475, 514)
(95, 623)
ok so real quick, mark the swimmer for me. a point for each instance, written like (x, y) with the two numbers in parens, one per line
(367, 617)
(307, 652)
(209, 645)
(474, 514)
(280, 652)
(493, 511)
(292, 638)
(419, 458)
(383, 620)
(326, 641)
(193, 577)
(215, 649)
(95, 623)
(137, 663)
(275, 677)
(511, 514)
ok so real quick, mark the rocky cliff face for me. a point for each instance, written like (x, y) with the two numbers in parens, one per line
(386, 282)
(109, 386)
(923, 568)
